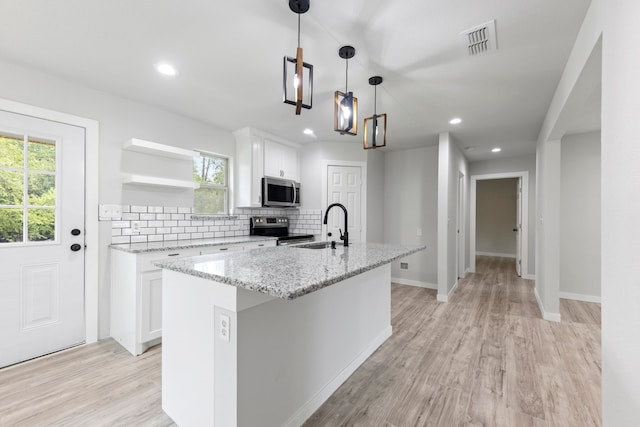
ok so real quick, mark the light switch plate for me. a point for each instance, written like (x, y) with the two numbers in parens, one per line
(109, 212)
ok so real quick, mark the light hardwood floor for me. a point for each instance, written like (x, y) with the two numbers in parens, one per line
(486, 358)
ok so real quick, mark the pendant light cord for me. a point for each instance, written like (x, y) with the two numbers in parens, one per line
(346, 78)
(298, 31)
(375, 100)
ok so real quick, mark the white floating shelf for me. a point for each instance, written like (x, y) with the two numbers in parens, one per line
(148, 147)
(158, 182)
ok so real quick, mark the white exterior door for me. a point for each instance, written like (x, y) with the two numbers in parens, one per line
(42, 166)
(345, 186)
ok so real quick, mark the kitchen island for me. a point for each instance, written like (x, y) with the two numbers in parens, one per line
(264, 337)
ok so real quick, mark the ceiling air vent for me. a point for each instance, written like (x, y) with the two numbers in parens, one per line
(481, 39)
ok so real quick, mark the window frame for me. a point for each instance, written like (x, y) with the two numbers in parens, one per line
(226, 188)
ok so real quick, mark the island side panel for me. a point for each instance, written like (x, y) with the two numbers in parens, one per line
(188, 344)
(292, 355)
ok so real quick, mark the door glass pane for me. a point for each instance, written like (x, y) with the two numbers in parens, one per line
(42, 189)
(41, 224)
(42, 155)
(11, 187)
(11, 151)
(10, 225)
(209, 200)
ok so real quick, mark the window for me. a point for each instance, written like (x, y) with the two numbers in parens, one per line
(212, 172)
(27, 189)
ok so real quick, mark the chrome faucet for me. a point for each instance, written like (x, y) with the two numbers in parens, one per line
(344, 237)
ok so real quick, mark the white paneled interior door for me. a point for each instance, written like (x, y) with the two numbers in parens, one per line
(344, 185)
(518, 229)
(42, 204)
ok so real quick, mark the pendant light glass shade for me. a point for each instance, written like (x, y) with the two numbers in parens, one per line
(375, 127)
(297, 75)
(345, 105)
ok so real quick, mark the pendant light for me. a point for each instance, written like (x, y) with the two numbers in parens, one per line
(345, 113)
(375, 127)
(297, 79)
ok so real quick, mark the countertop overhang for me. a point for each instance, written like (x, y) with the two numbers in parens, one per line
(289, 272)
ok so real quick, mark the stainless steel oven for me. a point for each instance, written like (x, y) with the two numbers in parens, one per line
(276, 227)
(280, 192)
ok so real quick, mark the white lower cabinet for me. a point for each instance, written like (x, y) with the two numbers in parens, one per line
(136, 292)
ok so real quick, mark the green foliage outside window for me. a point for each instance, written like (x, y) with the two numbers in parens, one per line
(40, 189)
(212, 174)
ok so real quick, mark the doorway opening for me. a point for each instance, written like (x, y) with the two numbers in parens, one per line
(514, 232)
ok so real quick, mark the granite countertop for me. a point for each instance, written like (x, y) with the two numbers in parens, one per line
(138, 248)
(288, 272)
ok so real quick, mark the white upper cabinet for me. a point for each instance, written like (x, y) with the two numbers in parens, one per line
(258, 155)
(280, 161)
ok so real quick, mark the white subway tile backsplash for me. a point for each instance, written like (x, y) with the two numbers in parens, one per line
(167, 223)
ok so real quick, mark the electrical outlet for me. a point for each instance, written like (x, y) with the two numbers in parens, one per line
(135, 226)
(404, 265)
(225, 327)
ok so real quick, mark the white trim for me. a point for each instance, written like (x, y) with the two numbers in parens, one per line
(445, 298)
(552, 317)
(524, 240)
(581, 297)
(415, 283)
(363, 191)
(496, 254)
(306, 410)
(92, 238)
(529, 276)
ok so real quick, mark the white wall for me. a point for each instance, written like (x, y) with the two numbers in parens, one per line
(451, 166)
(375, 195)
(620, 211)
(496, 216)
(411, 203)
(580, 216)
(312, 156)
(515, 164)
(119, 119)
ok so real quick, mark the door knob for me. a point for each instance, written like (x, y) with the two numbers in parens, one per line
(75, 232)
(76, 247)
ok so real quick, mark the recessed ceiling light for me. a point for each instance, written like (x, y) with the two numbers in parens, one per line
(166, 69)
(308, 131)
(455, 121)
(496, 150)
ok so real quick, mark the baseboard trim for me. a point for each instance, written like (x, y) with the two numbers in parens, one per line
(306, 410)
(552, 317)
(529, 276)
(581, 297)
(445, 298)
(415, 283)
(497, 254)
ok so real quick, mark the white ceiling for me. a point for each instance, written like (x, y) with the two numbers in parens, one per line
(229, 56)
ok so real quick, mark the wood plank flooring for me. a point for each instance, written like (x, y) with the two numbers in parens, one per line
(484, 359)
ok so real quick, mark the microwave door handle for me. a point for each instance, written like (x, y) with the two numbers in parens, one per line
(293, 184)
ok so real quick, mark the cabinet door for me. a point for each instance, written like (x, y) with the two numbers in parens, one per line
(150, 305)
(289, 163)
(221, 249)
(263, 244)
(273, 153)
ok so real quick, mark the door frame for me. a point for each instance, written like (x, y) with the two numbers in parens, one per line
(524, 241)
(460, 230)
(363, 191)
(92, 229)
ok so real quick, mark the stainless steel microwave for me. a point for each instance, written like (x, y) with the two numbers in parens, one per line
(281, 193)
